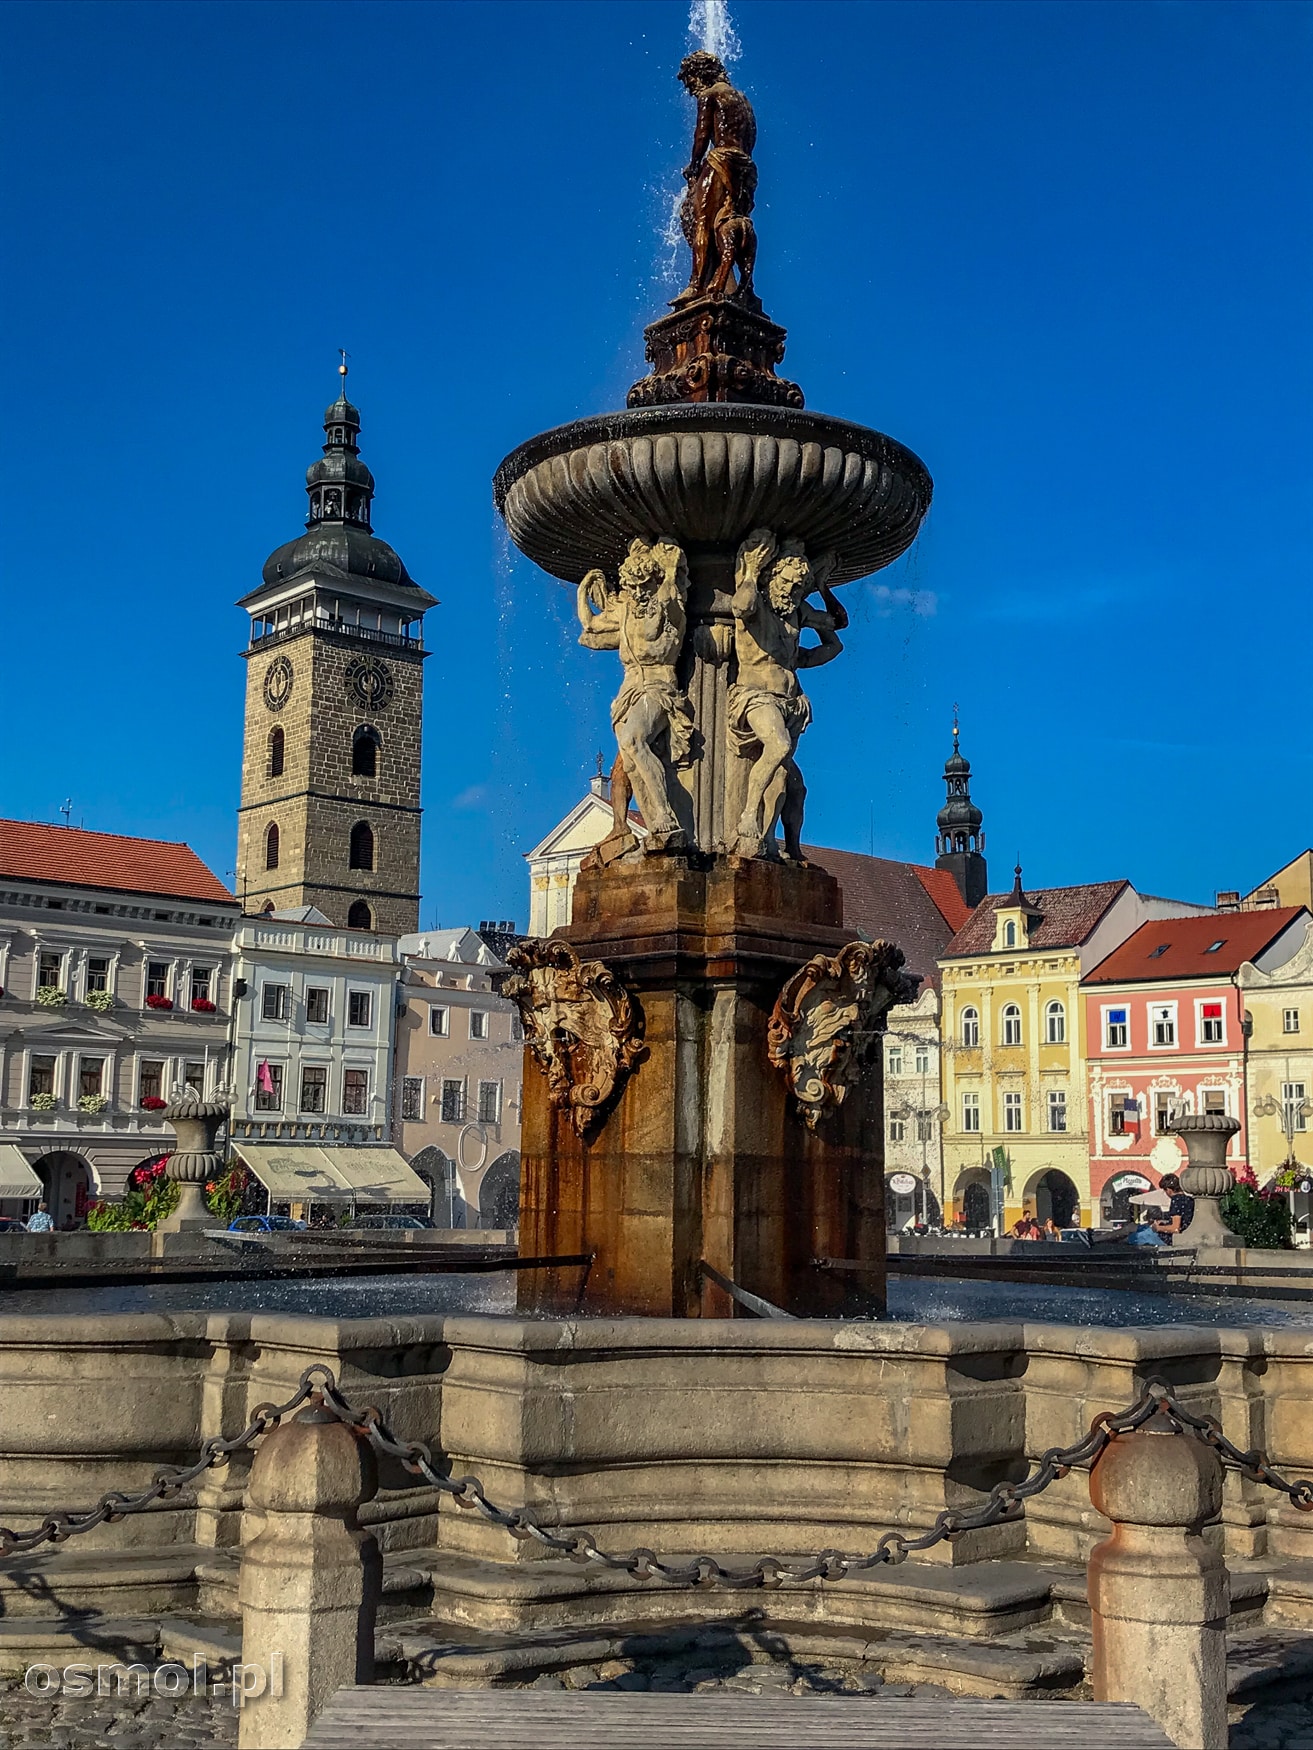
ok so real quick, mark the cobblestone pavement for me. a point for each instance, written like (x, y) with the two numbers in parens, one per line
(1279, 1720)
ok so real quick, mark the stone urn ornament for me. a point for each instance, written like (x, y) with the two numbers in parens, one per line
(1207, 1179)
(195, 1160)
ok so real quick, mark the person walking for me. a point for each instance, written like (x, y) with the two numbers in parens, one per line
(40, 1221)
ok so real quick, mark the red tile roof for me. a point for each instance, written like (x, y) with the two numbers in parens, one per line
(915, 907)
(1071, 914)
(1188, 945)
(72, 857)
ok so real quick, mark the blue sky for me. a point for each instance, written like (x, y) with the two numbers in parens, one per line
(1061, 250)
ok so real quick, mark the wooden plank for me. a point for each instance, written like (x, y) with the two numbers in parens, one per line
(404, 1718)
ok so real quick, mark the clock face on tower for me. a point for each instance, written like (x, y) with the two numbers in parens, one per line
(370, 683)
(278, 683)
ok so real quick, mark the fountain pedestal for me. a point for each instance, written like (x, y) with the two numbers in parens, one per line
(195, 1160)
(704, 1153)
(1208, 1178)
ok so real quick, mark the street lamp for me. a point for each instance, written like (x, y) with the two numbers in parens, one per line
(1290, 1112)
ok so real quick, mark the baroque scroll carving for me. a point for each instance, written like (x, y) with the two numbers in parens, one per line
(823, 1029)
(582, 1026)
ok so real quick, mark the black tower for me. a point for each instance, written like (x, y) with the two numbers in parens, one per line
(959, 843)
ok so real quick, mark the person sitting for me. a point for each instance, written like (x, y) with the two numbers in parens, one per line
(1180, 1209)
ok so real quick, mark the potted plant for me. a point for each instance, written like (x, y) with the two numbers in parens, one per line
(152, 1103)
(203, 1005)
(49, 996)
(100, 1000)
(92, 1102)
(42, 1102)
(159, 1002)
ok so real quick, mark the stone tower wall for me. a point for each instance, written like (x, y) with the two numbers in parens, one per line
(317, 799)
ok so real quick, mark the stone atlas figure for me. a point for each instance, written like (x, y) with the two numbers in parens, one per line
(722, 185)
(644, 619)
(768, 710)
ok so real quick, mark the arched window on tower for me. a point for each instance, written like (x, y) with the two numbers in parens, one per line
(271, 848)
(276, 745)
(365, 745)
(359, 917)
(1012, 1025)
(1055, 1024)
(362, 845)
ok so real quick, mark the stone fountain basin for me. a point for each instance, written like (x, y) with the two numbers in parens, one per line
(573, 498)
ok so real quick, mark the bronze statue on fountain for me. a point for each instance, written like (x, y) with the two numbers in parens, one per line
(708, 1028)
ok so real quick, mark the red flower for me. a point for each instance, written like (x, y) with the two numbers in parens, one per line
(152, 1103)
(202, 1005)
(156, 1002)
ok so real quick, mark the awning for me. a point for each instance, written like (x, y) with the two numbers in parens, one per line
(17, 1178)
(305, 1173)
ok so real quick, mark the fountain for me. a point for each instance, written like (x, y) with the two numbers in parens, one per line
(195, 1160)
(706, 1026)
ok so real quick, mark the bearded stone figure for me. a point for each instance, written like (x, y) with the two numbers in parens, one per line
(644, 617)
(768, 710)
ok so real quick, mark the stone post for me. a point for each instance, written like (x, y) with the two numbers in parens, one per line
(1207, 1178)
(310, 1579)
(195, 1160)
(1159, 1595)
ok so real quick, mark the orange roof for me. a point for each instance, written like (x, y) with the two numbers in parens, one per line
(942, 888)
(1216, 944)
(73, 857)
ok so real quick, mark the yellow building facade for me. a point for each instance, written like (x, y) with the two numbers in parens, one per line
(1279, 1060)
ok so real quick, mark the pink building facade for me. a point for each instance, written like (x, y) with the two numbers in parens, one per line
(1165, 1032)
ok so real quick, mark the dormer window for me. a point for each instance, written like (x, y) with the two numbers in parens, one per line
(1010, 933)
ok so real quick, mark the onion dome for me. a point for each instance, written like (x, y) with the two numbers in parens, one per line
(959, 813)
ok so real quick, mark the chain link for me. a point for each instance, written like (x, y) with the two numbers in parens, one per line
(1004, 1504)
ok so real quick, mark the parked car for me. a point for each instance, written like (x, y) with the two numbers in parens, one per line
(12, 1224)
(266, 1224)
(392, 1222)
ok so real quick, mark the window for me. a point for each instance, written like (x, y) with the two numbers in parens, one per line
(1012, 1112)
(269, 1098)
(1122, 1110)
(193, 1077)
(971, 1112)
(91, 1075)
(1159, 951)
(40, 1076)
(200, 984)
(1057, 1109)
(1162, 1018)
(439, 1022)
(1012, 1025)
(925, 1128)
(895, 1060)
(971, 1027)
(1055, 1025)
(412, 1097)
(360, 917)
(157, 978)
(274, 769)
(1163, 1107)
(897, 1130)
(362, 845)
(97, 973)
(1116, 1031)
(273, 1002)
(150, 1079)
(358, 1008)
(314, 1087)
(1009, 934)
(922, 1062)
(1211, 1030)
(1292, 1100)
(453, 1102)
(355, 1092)
(1290, 1020)
(316, 1005)
(365, 744)
(49, 969)
(1214, 1100)
(271, 848)
(489, 1102)
(478, 1024)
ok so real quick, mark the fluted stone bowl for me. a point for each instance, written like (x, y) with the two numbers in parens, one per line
(575, 497)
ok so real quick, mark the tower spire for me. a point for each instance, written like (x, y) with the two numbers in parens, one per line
(340, 487)
(960, 841)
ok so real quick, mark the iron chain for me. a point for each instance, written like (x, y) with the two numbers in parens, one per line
(1004, 1504)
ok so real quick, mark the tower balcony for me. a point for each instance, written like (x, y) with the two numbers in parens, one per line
(264, 634)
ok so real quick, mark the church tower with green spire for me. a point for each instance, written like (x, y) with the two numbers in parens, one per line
(330, 809)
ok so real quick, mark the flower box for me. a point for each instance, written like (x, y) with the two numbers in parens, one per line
(92, 1102)
(152, 1103)
(203, 1005)
(100, 1000)
(49, 996)
(42, 1102)
(154, 1002)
